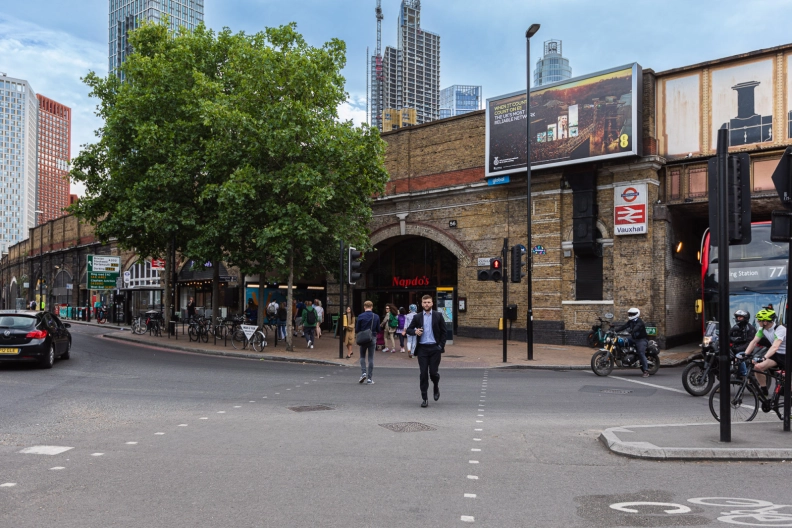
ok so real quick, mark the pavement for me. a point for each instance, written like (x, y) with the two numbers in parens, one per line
(465, 352)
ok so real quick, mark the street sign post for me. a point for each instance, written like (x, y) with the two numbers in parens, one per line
(103, 272)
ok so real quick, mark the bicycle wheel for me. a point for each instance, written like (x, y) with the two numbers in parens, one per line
(238, 339)
(203, 333)
(192, 332)
(258, 341)
(743, 407)
(602, 363)
(220, 331)
(778, 400)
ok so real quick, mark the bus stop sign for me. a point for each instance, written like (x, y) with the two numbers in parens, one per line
(782, 178)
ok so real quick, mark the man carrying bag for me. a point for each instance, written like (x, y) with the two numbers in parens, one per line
(366, 336)
(430, 328)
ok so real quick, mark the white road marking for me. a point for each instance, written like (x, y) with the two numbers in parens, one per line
(473, 461)
(671, 389)
(288, 389)
(479, 421)
(237, 406)
(45, 450)
(472, 477)
(203, 418)
(182, 425)
(8, 485)
(477, 439)
(252, 401)
(220, 412)
(478, 429)
(57, 468)
(275, 394)
(476, 450)
(159, 434)
(131, 443)
(321, 377)
(468, 518)
(625, 506)
(97, 454)
(470, 495)
(307, 383)
(480, 415)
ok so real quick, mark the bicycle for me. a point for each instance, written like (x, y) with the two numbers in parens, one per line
(154, 323)
(745, 395)
(101, 315)
(139, 324)
(198, 330)
(257, 340)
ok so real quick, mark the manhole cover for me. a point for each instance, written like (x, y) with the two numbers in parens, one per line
(309, 408)
(446, 355)
(616, 391)
(407, 427)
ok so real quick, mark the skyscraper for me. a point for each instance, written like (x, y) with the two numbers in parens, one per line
(18, 124)
(552, 67)
(126, 15)
(411, 72)
(54, 153)
(459, 99)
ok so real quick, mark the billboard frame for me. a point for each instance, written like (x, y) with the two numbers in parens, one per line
(637, 124)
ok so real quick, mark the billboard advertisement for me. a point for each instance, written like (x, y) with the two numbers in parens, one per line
(589, 118)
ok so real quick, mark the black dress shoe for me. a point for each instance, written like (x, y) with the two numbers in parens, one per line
(436, 393)
(424, 403)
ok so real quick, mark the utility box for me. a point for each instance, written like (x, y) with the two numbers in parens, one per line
(511, 312)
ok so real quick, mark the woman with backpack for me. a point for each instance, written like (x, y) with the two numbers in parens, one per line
(389, 325)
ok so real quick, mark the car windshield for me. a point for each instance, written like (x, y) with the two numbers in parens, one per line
(17, 321)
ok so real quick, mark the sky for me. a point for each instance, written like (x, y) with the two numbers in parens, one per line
(53, 43)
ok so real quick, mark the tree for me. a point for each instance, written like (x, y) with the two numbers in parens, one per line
(305, 179)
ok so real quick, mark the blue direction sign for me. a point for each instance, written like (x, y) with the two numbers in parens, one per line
(500, 180)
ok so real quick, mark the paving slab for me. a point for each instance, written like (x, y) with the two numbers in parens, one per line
(751, 441)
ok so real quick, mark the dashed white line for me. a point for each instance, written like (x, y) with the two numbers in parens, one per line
(8, 485)
(237, 406)
(221, 412)
(203, 418)
(476, 450)
(160, 434)
(182, 425)
(478, 429)
(481, 415)
(472, 477)
(479, 421)
(57, 468)
(470, 495)
(131, 443)
(97, 454)
(473, 461)
(477, 439)
(252, 401)
(468, 519)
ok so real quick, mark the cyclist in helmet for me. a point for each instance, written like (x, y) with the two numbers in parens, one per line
(776, 336)
(637, 330)
(741, 335)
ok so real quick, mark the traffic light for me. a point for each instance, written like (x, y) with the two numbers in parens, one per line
(738, 187)
(354, 265)
(495, 271)
(517, 263)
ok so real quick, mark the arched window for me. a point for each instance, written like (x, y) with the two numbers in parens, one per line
(141, 276)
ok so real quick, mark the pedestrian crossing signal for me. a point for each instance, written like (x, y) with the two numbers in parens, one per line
(494, 273)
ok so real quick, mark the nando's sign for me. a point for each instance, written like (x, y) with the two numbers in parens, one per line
(406, 283)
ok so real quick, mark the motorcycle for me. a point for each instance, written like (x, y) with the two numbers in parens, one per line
(596, 337)
(619, 350)
(699, 376)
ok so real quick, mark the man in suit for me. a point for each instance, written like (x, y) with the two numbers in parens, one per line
(430, 328)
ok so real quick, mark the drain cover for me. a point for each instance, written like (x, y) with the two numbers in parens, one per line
(407, 427)
(309, 408)
(616, 391)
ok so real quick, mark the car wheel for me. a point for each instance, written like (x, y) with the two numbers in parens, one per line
(49, 360)
(67, 354)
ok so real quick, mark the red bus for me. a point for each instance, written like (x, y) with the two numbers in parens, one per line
(758, 274)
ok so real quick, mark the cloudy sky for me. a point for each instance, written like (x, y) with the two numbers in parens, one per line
(53, 43)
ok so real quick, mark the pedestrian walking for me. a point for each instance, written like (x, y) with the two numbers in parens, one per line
(320, 312)
(283, 317)
(400, 328)
(430, 328)
(349, 330)
(411, 339)
(366, 325)
(310, 318)
(191, 309)
(299, 320)
(389, 324)
(32, 305)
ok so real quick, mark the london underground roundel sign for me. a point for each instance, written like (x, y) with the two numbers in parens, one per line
(630, 194)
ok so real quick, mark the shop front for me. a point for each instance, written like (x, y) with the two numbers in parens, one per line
(401, 270)
(195, 280)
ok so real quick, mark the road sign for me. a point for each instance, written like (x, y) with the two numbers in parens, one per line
(249, 330)
(484, 261)
(629, 209)
(158, 264)
(103, 272)
(127, 276)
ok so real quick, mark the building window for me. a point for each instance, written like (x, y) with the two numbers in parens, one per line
(762, 174)
(588, 278)
(674, 185)
(697, 183)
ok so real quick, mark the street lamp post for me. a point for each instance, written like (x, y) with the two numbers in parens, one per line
(41, 258)
(529, 258)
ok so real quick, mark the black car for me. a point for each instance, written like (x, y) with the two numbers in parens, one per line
(33, 336)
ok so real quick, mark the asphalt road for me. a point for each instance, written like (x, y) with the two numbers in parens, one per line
(159, 438)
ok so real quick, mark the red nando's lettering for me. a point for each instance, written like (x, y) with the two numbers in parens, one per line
(405, 283)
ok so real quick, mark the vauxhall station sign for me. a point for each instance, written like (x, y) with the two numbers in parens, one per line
(629, 209)
(103, 272)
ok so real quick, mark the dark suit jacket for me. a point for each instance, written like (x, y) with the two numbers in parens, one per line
(438, 327)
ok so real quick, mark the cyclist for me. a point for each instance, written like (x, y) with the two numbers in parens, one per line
(637, 330)
(776, 336)
(741, 335)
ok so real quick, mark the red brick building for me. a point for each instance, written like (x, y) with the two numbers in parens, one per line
(54, 153)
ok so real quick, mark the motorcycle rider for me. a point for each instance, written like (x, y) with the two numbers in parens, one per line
(741, 335)
(637, 330)
(776, 336)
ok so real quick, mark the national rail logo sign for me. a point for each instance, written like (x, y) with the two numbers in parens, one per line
(629, 209)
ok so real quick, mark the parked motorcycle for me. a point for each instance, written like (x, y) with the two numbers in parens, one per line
(619, 350)
(699, 376)
(596, 337)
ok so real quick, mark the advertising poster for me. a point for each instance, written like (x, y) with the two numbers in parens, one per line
(579, 120)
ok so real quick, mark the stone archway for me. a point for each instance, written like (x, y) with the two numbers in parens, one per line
(427, 231)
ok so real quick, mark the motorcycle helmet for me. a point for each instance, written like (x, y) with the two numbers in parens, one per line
(633, 313)
(742, 313)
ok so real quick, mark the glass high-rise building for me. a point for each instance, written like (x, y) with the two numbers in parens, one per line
(552, 67)
(411, 72)
(54, 154)
(18, 170)
(126, 15)
(460, 99)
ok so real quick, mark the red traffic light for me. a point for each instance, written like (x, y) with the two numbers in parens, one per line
(496, 264)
